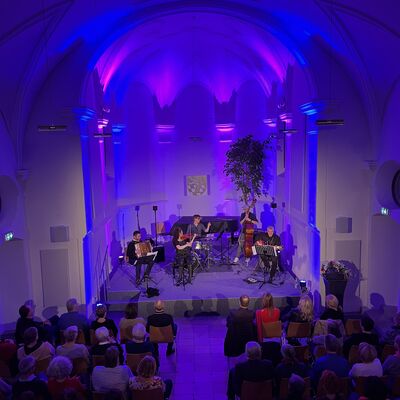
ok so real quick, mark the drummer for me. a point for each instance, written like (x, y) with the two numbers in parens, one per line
(197, 228)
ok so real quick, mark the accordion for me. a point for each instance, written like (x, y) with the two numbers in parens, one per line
(142, 248)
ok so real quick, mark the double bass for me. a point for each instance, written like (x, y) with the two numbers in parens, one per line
(248, 229)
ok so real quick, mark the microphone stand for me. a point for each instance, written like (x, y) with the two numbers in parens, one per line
(137, 208)
(155, 208)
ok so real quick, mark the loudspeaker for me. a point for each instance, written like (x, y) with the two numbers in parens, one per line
(344, 225)
(160, 253)
(59, 234)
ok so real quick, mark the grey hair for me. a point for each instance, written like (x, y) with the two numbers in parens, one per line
(71, 333)
(60, 367)
(71, 303)
(288, 351)
(102, 334)
(138, 332)
(253, 350)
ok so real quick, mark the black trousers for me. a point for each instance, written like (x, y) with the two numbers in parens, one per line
(182, 260)
(270, 261)
(147, 271)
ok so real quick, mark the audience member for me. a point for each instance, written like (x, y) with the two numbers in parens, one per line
(34, 347)
(71, 349)
(28, 381)
(73, 317)
(296, 388)
(26, 321)
(332, 361)
(8, 354)
(102, 320)
(332, 308)
(267, 314)
(241, 329)
(304, 312)
(374, 389)
(254, 370)
(104, 342)
(289, 365)
(59, 372)
(367, 336)
(390, 335)
(129, 321)
(328, 387)
(146, 378)
(322, 328)
(370, 365)
(112, 376)
(139, 344)
(391, 366)
(160, 319)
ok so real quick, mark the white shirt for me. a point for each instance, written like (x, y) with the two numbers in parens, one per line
(373, 368)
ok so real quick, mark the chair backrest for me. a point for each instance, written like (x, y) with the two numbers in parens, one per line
(299, 330)
(354, 357)
(79, 366)
(150, 394)
(388, 350)
(353, 326)
(302, 353)
(162, 334)
(284, 388)
(98, 360)
(126, 334)
(4, 370)
(272, 329)
(41, 365)
(133, 360)
(256, 390)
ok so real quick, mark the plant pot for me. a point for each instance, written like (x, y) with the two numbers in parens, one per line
(336, 287)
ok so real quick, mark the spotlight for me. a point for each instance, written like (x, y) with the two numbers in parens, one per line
(274, 205)
(303, 286)
(121, 259)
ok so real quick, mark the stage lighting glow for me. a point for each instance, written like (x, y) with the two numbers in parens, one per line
(8, 236)
(384, 211)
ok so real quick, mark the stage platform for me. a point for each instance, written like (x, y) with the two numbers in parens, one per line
(214, 291)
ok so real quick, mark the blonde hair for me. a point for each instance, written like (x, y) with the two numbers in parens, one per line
(367, 352)
(306, 308)
(331, 301)
(267, 301)
(147, 367)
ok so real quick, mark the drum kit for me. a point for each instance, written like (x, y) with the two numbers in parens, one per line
(202, 254)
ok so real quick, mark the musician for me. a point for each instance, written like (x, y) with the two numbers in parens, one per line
(196, 227)
(183, 248)
(245, 217)
(133, 259)
(269, 238)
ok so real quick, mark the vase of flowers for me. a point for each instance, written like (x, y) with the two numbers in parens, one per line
(335, 276)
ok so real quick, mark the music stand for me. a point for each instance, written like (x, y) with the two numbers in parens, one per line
(267, 251)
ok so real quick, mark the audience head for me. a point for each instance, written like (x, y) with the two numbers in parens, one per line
(147, 367)
(27, 366)
(31, 336)
(253, 351)
(267, 301)
(375, 389)
(24, 311)
(111, 357)
(397, 343)
(306, 308)
(288, 352)
(367, 323)
(101, 311)
(332, 345)
(71, 333)
(367, 352)
(334, 328)
(328, 383)
(138, 333)
(60, 367)
(159, 306)
(72, 305)
(332, 302)
(31, 304)
(296, 386)
(244, 301)
(102, 334)
(131, 311)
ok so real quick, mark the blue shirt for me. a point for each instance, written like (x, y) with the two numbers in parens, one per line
(338, 364)
(73, 318)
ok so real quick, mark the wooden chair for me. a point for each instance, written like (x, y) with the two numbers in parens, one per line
(388, 350)
(150, 394)
(354, 357)
(163, 334)
(299, 330)
(302, 353)
(284, 389)
(256, 390)
(360, 383)
(344, 388)
(319, 351)
(98, 360)
(133, 360)
(126, 334)
(42, 365)
(4, 370)
(353, 326)
(272, 329)
(79, 366)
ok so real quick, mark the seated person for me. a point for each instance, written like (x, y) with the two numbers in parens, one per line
(367, 336)
(290, 365)
(104, 342)
(369, 365)
(391, 366)
(332, 308)
(296, 387)
(324, 327)
(146, 378)
(374, 389)
(71, 349)
(26, 321)
(160, 319)
(34, 347)
(332, 361)
(102, 320)
(28, 381)
(139, 344)
(304, 312)
(59, 372)
(241, 329)
(254, 370)
(129, 321)
(267, 314)
(390, 335)
(74, 317)
(197, 227)
(113, 375)
(8, 354)
(328, 387)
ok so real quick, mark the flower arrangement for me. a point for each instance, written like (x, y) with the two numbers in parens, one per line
(335, 270)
